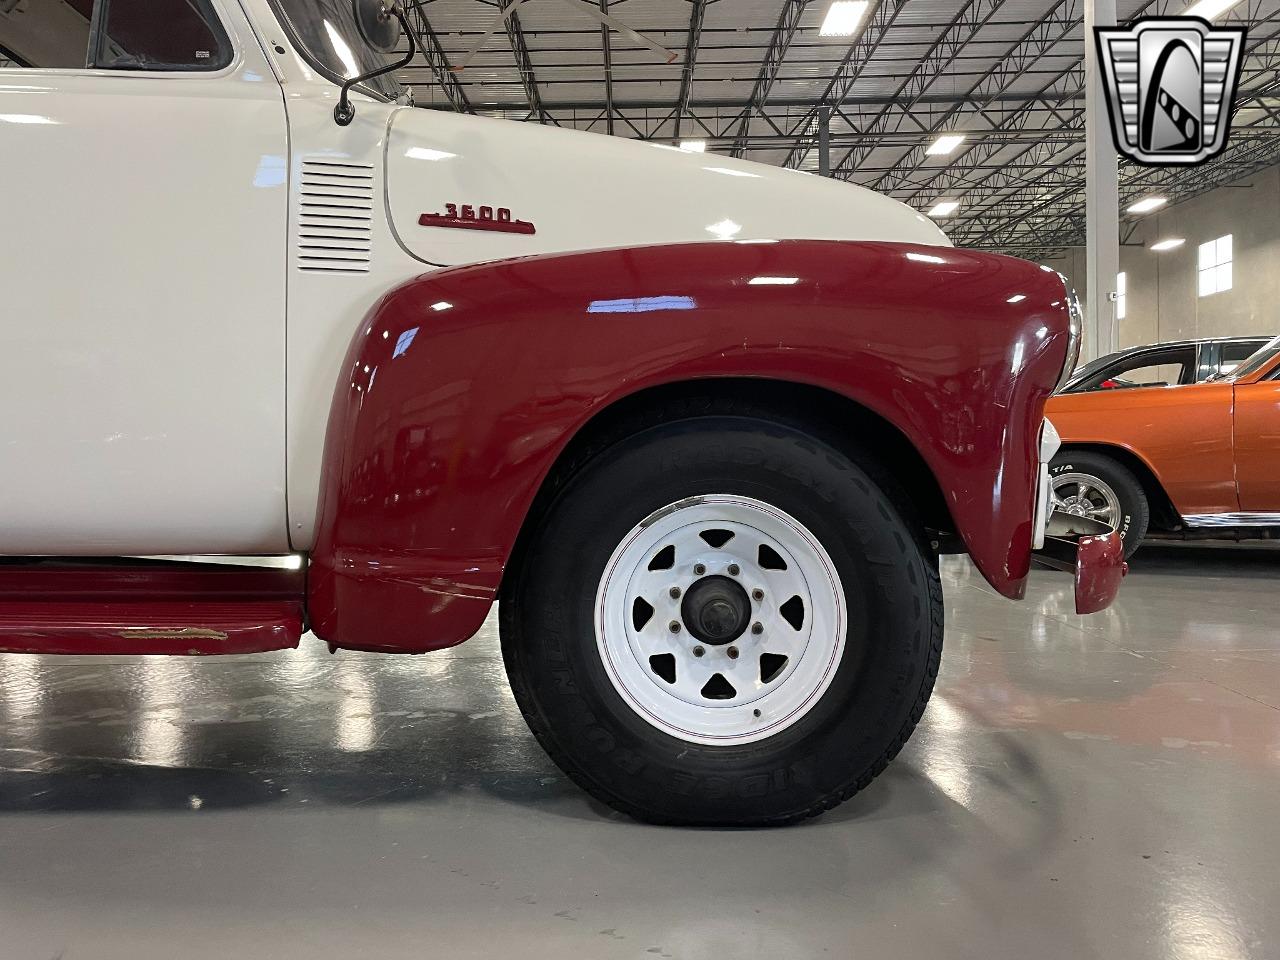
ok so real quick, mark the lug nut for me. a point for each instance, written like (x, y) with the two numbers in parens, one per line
(755, 713)
(734, 570)
(699, 569)
(757, 628)
(733, 653)
(675, 593)
(675, 626)
(698, 651)
(757, 595)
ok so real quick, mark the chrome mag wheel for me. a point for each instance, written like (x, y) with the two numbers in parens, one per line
(1083, 495)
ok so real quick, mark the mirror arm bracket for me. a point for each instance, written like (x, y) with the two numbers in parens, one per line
(345, 111)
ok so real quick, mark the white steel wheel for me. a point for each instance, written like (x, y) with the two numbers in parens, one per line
(720, 619)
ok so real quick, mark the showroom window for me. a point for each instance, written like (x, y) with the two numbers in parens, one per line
(1122, 295)
(1215, 266)
(135, 35)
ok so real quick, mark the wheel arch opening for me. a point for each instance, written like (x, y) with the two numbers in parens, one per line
(858, 432)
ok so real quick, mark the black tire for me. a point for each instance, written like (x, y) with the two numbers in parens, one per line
(880, 686)
(1135, 510)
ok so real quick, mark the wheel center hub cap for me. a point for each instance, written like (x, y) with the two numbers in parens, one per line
(716, 610)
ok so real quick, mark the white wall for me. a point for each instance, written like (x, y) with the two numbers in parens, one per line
(1162, 298)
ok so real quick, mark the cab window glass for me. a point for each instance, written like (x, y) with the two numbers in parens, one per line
(134, 35)
(160, 35)
(325, 32)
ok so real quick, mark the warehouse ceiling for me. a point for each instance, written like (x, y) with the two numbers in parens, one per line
(752, 77)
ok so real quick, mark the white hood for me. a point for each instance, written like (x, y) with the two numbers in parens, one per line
(580, 191)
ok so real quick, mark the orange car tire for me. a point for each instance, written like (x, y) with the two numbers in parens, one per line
(1101, 487)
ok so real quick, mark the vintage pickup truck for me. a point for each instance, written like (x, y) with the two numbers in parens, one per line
(703, 427)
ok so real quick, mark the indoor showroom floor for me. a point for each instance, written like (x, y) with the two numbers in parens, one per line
(1100, 787)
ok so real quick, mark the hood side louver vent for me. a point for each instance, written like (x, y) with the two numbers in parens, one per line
(335, 217)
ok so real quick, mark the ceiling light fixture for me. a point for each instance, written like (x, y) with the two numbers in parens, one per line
(946, 143)
(1146, 205)
(1169, 244)
(944, 208)
(843, 18)
(693, 146)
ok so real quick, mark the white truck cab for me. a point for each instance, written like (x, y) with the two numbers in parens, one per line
(189, 239)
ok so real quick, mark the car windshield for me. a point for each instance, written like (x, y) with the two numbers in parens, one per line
(1256, 362)
(325, 32)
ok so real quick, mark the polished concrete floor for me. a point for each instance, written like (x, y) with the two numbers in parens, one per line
(1103, 787)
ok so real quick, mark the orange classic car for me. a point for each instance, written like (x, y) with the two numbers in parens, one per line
(1199, 459)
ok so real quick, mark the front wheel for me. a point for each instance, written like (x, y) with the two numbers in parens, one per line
(723, 621)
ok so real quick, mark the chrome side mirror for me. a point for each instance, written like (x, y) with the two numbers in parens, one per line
(378, 23)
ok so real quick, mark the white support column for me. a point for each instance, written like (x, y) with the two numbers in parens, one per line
(1102, 195)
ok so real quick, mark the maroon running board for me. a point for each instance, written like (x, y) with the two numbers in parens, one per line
(148, 607)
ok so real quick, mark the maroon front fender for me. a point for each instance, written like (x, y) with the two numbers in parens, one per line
(462, 387)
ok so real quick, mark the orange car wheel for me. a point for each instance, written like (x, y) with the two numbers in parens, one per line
(1087, 484)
